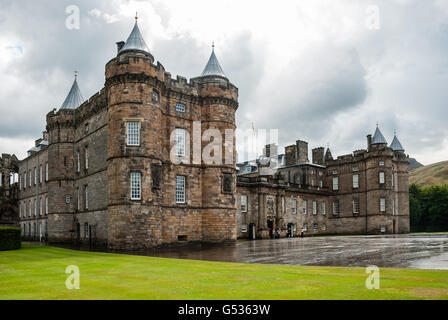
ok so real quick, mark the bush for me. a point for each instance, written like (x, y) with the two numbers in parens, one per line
(10, 238)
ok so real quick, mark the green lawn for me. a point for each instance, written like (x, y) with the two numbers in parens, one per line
(39, 273)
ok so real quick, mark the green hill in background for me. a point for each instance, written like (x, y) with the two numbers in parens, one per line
(430, 175)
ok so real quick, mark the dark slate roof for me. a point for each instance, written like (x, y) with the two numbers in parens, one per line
(213, 68)
(378, 137)
(396, 145)
(135, 41)
(74, 98)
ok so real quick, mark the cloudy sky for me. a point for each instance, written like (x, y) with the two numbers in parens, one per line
(321, 71)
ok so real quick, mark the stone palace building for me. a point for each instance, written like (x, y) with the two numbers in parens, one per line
(103, 169)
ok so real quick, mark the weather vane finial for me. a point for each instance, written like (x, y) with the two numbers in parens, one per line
(136, 15)
(76, 73)
(213, 45)
(377, 124)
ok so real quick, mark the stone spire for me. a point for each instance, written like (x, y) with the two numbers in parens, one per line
(213, 68)
(74, 98)
(135, 41)
(328, 155)
(378, 137)
(396, 145)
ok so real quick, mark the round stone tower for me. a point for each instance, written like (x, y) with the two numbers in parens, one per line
(61, 170)
(219, 104)
(134, 87)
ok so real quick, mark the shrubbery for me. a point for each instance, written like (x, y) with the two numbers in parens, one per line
(10, 238)
(428, 208)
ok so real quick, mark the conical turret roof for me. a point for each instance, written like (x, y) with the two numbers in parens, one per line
(213, 67)
(135, 41)
(328, 155)
(396, 145)
(74, 98)
(378, 137)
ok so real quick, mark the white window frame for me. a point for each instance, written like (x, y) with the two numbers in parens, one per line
(305, 207)
(243, 228)
(35, 175)
(133, 133)
(87, 157)
(46, 205)
(136, 185)
(324, 208)
(336, 207)
(243, 203)
(321, 184)
(86, 230)
(381, 177)
(46, 171)
(382, 205)
(30, 179)
(314, 207)
(356, 181)
(180, 189)
(393, 207)
(335, 183)
(180, 141)
(78, 166)
(356, 206)
(180, 107)
(86, 196)
(24, 180)
(294, 206)
(41, 176)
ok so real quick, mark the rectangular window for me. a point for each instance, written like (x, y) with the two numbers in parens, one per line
(356, 181)
(243, 228)
(155, 96)
(78, 167)
(86, 196)
(336, 207)
(227, 182)
(355, 169)
(87, 158)
(78, 199)
(46, 171)
(381, 177)
(180, 107)
(294, 206)
(30, 179)
(24, 180)
(335, 171)
(41, 206)
(35, 176)
(336, 183)
(321, 184)
(382, 205)
(324, 208)
(20, 182)
(41, 176)
(305, 227)
(393, 207)
(305, 207)
(312, 182)
(393, 180)
(355, 206)
(283, 205)
(35, 207)
(180, 189)
(315, 227)
(136, 190)
(133, 131)
(381, 163)
(180, 142)
(46, 205)
(243, 203)
(314, 207)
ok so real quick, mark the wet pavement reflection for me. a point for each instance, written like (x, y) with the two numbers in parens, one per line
(422, 251)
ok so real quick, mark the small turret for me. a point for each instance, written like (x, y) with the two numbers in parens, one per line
(135, 42)
(396, 145)
(213, 68)
(378, 137)
(74, 98)
(328, 155)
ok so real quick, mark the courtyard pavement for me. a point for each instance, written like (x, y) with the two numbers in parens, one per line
(417, 251)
